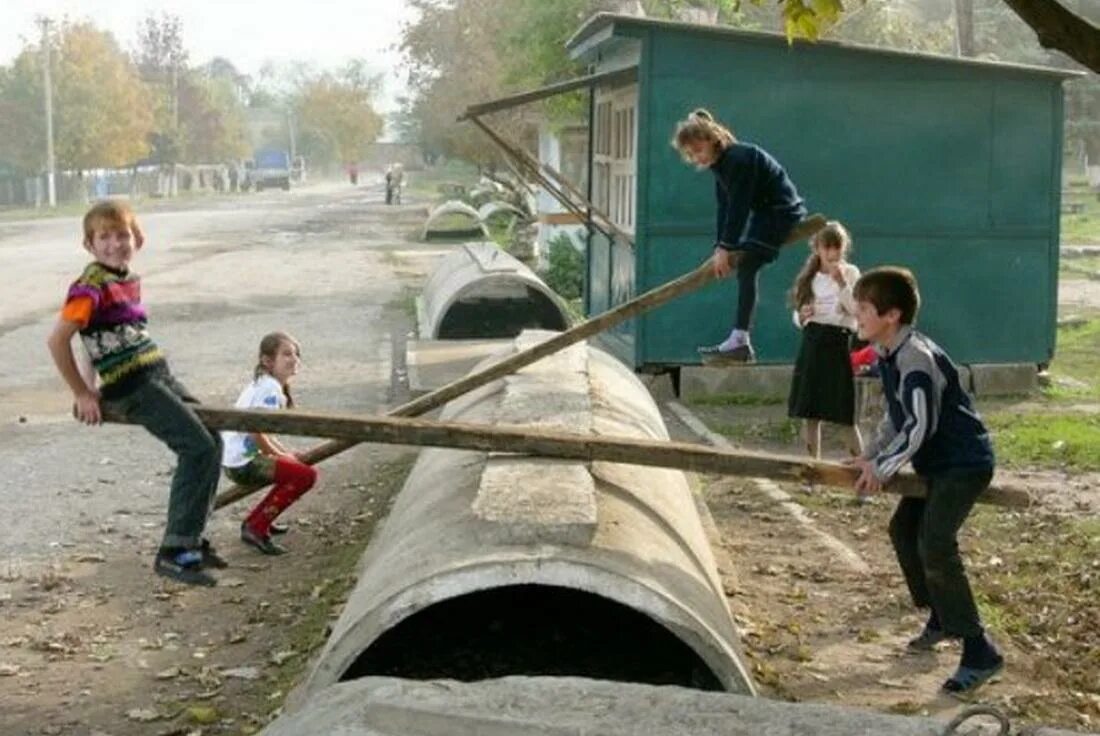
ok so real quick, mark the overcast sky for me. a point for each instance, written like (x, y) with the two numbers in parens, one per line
(247, 32)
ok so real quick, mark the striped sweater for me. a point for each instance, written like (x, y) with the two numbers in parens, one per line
(930, 419)
(107, 305)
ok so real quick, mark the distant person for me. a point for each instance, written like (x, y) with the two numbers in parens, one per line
(822, 385)
(232, 175)
(389, 184)
(258, 459)
(104, 306)
(353, 174)
(758, 207)
(931, 423)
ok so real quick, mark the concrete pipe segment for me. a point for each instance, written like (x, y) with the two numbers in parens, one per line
(494, 565)
(481, 292)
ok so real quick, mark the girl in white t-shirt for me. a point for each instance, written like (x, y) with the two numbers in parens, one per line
(822, 387)
(257, 459)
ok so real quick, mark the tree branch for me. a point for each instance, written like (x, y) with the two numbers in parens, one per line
(1058, 28)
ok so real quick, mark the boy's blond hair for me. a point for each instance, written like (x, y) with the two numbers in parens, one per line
(111, 214)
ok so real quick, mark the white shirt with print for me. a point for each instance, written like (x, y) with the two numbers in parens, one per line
(263, 393)
(832, 304)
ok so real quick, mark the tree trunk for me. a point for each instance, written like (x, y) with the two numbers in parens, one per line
(1058, 28)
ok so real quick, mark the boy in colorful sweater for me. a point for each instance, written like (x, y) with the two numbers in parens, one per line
(931, 423)
(104, 306)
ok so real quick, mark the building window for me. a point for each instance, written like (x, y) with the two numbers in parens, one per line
(614, 169)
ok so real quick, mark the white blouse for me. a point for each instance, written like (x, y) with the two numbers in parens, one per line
(832, 304)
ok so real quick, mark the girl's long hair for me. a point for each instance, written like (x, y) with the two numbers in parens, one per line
(833, 235)
(700, 125)
(269, 348)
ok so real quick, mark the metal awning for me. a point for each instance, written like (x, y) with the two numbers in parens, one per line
(551, 180)
(627, 74)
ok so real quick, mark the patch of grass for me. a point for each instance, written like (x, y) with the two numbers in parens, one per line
(1048, 440)
(428, 183)
(1075, 268)
(1077, 356)
(1082, 227)
(735, 399)
(63, 209)
(309, 631)
(406, 302)
(784, 431)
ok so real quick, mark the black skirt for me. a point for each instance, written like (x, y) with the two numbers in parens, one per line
(822, 386)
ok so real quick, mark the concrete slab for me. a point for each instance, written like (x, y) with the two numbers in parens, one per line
(549, 706)
(698, 382)
(435, 363)
(1000, 379)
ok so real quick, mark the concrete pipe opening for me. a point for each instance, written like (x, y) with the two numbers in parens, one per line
(533, 630)
(492, 564)
(481, 292)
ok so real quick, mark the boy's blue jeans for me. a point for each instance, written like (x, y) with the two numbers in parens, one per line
(161, 405)
(925, 536)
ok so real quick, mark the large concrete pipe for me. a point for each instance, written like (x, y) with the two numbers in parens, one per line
(492, 565)
(481, 292)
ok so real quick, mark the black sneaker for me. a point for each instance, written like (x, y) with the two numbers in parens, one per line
(262, 543)
(211, 558)
(927, 640)
(183, 565)
(966, 679)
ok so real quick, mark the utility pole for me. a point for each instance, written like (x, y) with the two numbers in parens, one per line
(964, 28)
(175, 92)
(293, 137)
(48, 94)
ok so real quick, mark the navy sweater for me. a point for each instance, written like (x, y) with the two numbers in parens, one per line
(749, 182)
(930, 419)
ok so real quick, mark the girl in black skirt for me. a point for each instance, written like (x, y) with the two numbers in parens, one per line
(822, 388)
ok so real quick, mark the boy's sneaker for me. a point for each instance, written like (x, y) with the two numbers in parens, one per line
(183, 565)
(211, 558)
(276, 528)
(966, 679)
(927, 640)
(261, 542)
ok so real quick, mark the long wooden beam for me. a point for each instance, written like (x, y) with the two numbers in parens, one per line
(689, 282)
(546, 443)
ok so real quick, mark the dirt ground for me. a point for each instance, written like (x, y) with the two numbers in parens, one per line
(92, 644)
(817, 628)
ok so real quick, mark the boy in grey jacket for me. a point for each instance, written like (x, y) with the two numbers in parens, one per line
(930, 422)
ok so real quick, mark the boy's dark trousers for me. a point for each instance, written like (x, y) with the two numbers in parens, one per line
(160, 404)
(925, 536)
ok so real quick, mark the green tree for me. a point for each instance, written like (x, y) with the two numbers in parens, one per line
(335, 111)
(212, 124)
(22, 121)
(102, 114)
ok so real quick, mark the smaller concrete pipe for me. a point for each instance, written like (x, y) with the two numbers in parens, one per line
(481, 292)
(453, 220)
(600, 570)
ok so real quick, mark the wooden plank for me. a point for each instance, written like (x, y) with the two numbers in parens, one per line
(544, 443)
(689, 282)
